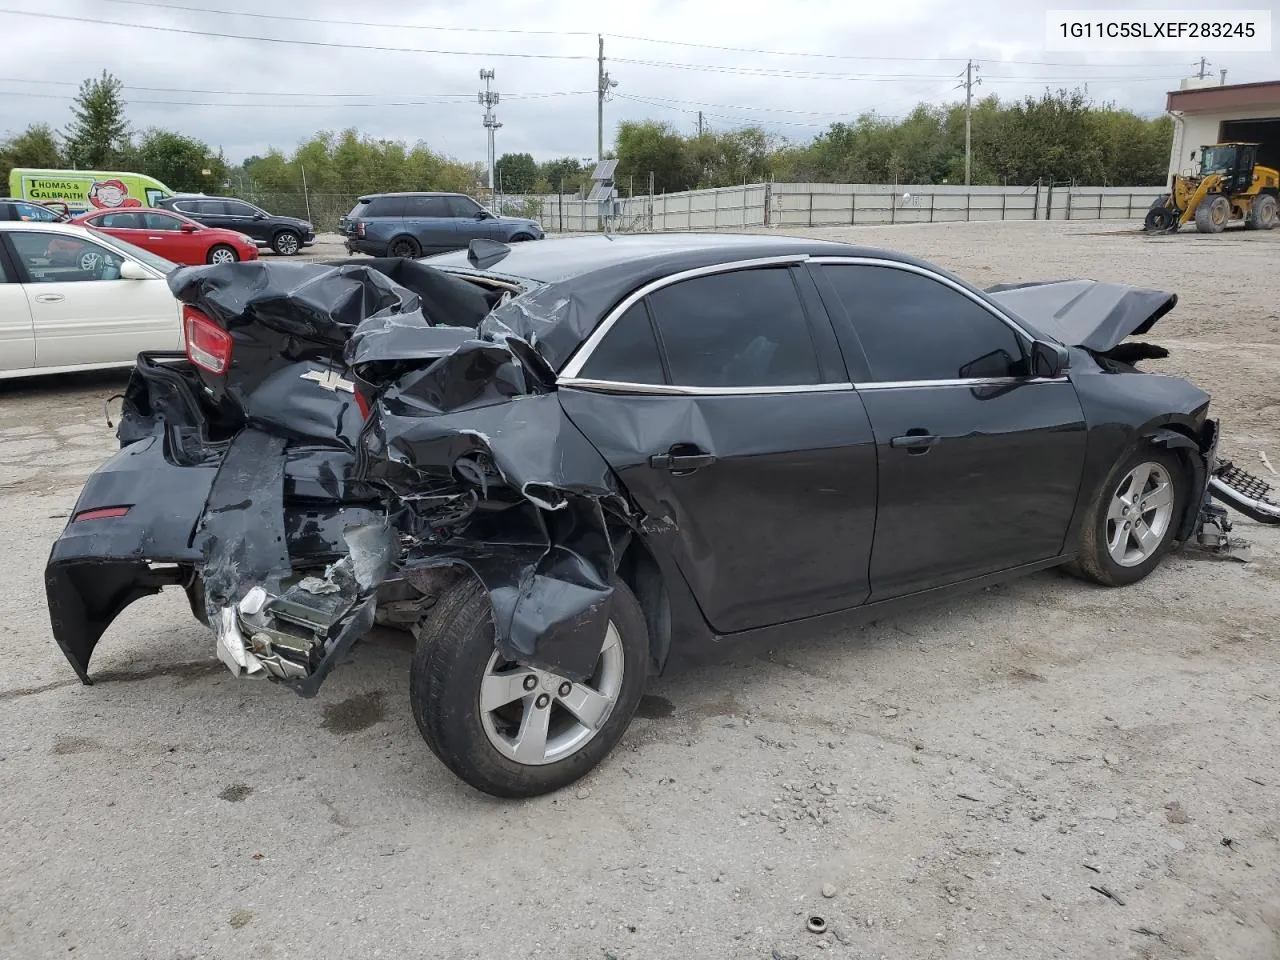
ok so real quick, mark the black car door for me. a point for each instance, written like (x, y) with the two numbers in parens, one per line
(245, 218)
(720, 399)
(979, 463)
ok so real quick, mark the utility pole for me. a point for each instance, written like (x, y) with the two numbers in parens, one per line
(489, 99)
(970, 81)
(1222, 82)
(699, 123)
(603, 85)
(1203, 63)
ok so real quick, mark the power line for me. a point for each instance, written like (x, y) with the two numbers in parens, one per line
(586, 33)
(253, 104)
(292, 40)
(284, 93)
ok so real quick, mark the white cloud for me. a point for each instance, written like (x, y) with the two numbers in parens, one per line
(45, 58)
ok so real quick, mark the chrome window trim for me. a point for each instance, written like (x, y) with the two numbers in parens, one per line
(662, 389)
(975, 382)
(573, 367)
(932, 275)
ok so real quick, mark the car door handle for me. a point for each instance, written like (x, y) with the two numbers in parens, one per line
(50, 297)
(915, 442)
(681, 462)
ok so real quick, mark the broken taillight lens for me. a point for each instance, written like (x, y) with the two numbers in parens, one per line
(363, 404)
(208, 345)
(100, 513)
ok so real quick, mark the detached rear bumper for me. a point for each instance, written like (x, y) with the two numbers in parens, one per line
(99, 566)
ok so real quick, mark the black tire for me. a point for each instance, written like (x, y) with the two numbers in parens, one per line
(406, 247)
(1159, 219)
(521, 238)
(1093, 558)
(286, 243)
(455, 644)
(219, 254)
(1263, 213)
(1212, 213)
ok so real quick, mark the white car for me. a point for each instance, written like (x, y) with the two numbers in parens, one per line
(72, 298)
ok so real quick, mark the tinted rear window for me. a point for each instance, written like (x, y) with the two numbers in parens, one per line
(358, 210)
(629, 351)
(385, 207)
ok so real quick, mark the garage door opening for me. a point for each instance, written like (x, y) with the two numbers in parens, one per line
(1263, 132)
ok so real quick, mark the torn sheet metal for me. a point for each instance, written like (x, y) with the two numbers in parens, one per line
(1085, 313)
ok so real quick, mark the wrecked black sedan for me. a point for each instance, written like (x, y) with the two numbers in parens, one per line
(565, 465)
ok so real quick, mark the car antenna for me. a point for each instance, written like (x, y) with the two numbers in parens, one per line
(483, 254)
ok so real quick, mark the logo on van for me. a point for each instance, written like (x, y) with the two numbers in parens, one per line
(111, 194)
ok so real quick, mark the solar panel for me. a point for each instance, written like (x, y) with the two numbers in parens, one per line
(604, 170)
(601, 191)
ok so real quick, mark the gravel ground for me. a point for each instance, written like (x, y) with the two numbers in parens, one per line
(1045, 769)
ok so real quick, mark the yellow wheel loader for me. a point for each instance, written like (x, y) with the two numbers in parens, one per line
(1230, 186)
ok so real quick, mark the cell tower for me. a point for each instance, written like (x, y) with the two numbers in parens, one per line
(489, 99)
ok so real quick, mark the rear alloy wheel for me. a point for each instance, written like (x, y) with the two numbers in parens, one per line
(406, 247)
(1264, 215)
(1212, 213)
(286, 243)
(509, 729)
(1131, 523)
(222, 254)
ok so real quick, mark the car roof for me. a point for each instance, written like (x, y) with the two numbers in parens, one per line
(577, 280)
(565, 258)
(75, 229)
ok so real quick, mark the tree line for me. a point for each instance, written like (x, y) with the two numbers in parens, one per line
(1059, 135)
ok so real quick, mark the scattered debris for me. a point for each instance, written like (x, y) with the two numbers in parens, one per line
(1256, 780)
(828, 890)
(965, 796)
(1110, 759)
(1262, 455)
(1089, 866)
(777, 954)
(890, 713)
(1107, 893)
(816, 924)
(1175, 844)
(1148, 932)
(1229, 843)
(1174, 813)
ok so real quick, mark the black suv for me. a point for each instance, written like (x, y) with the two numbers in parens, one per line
(285, 235)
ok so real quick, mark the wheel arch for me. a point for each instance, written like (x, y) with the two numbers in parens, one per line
(1180, 439)
(638, 569)
(403, 235)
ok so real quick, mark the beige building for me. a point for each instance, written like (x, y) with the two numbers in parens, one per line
(1205, 112)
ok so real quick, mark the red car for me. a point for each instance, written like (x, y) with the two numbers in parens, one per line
(171, 235)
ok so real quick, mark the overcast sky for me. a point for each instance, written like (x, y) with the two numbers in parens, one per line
(246, 95)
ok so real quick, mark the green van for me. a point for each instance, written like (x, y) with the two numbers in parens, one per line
(83, 190)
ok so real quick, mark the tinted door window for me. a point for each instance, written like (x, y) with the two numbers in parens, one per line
(915, 328)
(385, 207)
(36, 213)
(195, 208)
(234, 208)
(61, 258)
(462, 207)
(628, 353)
(740, 329)
(119, 221)
(160, 221)
(426, 207)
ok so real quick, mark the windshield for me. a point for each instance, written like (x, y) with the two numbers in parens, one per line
(137, 253)
(1217, 159)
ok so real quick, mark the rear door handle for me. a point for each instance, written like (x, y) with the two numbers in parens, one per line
(681, 462)
(50, 297)
(915, 442)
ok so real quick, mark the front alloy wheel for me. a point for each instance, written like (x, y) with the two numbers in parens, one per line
(1140, 513)
(1132, 521)
(510, 729)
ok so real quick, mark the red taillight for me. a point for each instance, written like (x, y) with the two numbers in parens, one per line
(363, 404)
(208, 345)
(102, 513)
(360, 228)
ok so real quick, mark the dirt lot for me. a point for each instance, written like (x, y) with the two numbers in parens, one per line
(967, 781)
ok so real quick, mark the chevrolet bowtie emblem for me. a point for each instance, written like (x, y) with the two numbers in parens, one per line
(330, 380)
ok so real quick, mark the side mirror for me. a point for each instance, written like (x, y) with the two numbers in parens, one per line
(132, 270)
(1049, 360)
(188, 228)
(259, 216)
